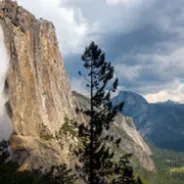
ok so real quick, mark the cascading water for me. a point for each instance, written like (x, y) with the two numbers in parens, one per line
(5, 122)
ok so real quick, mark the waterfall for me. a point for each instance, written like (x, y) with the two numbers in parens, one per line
(5, 122)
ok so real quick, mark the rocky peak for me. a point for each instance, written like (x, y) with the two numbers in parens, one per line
(135, 106)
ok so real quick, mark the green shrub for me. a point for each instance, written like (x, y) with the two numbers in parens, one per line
(44, 133)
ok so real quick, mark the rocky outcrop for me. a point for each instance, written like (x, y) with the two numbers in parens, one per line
(131, 140)
(39, 91)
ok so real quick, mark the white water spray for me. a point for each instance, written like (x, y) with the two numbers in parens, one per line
(5, 122)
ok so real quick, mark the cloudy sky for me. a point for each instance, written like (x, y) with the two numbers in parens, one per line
(144, 39)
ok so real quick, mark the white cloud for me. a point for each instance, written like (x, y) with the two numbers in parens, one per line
(128, 72)
(129, 2)
(79, 85)
(169, 65)
(70, 31)
(162, 96)
(79, 21)
(152, 72)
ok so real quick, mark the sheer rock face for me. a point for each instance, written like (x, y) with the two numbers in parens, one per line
(131, 140)
(40, 94)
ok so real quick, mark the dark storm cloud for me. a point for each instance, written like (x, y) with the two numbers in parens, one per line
(144, 39)
(141, 41)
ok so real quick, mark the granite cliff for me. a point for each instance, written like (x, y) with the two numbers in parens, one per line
(39, 96)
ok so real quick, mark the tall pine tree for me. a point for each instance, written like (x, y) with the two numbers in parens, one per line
(96, 158)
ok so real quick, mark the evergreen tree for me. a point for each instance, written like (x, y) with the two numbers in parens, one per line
(59, 175)
(139, 181)
(125, 171)
(96, 158)
(4, 153)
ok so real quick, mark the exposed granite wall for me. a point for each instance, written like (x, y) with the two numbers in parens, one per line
(39, 89)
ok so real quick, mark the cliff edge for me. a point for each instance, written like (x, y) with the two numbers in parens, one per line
(40, 96)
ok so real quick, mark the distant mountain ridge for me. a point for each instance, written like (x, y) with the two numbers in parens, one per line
(162, 123)
(169, 101)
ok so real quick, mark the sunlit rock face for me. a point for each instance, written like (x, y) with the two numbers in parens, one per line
(40, 96)
(135, 106)
(5, 123)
